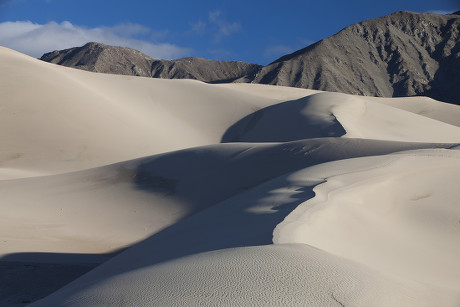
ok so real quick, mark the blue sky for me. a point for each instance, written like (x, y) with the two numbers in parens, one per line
(251, 31)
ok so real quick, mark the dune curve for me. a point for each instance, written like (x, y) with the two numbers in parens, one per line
(316, 197)
(397, 214)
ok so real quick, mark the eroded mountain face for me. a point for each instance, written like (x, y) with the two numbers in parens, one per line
(401, 54)
(102, 58)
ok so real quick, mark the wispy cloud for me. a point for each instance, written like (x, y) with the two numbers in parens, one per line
(198, 27)
(224, 28)
(216, 26)
(440, 12)
(7, 3)
(35, 39)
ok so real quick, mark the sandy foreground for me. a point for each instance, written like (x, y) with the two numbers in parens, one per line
(129, 191)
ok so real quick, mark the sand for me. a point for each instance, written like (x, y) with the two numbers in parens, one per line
(86, 119)
(186, 193)
(397, 213)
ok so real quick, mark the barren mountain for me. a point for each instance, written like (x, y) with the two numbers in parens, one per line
(402, 54)
(102, 58)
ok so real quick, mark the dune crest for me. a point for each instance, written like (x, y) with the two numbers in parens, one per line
(338, 115)
(88, 120)
(300, 204)
(379, 211)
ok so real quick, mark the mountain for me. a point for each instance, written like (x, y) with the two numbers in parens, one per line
(402, 54)
(398, 55)
(102, 58)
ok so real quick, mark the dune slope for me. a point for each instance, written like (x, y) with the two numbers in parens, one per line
(63, 213)
(248, 219)
(336, 115)
(280, 275)
(398, 213)
(315, 198)
(56, 119)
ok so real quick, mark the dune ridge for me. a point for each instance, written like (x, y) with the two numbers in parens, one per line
(338, 115)
(257, 212)
(398, 194)
(58, 104)
(187, 193)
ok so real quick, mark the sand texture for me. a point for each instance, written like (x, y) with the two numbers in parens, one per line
(128, 191)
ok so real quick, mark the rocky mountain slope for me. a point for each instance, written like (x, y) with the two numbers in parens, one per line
(102, 58)
(401, 54)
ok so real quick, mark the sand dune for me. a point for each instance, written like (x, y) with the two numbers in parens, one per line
(314, 198)
(56, 119)
(335, 115)
(397, 213)
(280, 275)
(248, 219)
(62, 213)
(424, 106)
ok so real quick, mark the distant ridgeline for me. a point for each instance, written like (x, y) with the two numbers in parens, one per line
(401, 54)
(102, 58)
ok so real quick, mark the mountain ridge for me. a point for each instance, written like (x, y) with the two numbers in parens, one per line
(401, 54)
(98, 57)
(396, 55)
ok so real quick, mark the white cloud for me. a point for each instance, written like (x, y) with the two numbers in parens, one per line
(215, 26)
(35, 39)
(224, 28)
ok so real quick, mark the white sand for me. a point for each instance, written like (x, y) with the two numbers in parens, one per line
(366, 190)
(425, 106)
(335, 115)
(55, 119)
(248, 219)
(103, 209)
(272, 275)
(398, 214)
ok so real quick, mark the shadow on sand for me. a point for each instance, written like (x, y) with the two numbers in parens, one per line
(28, 277)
